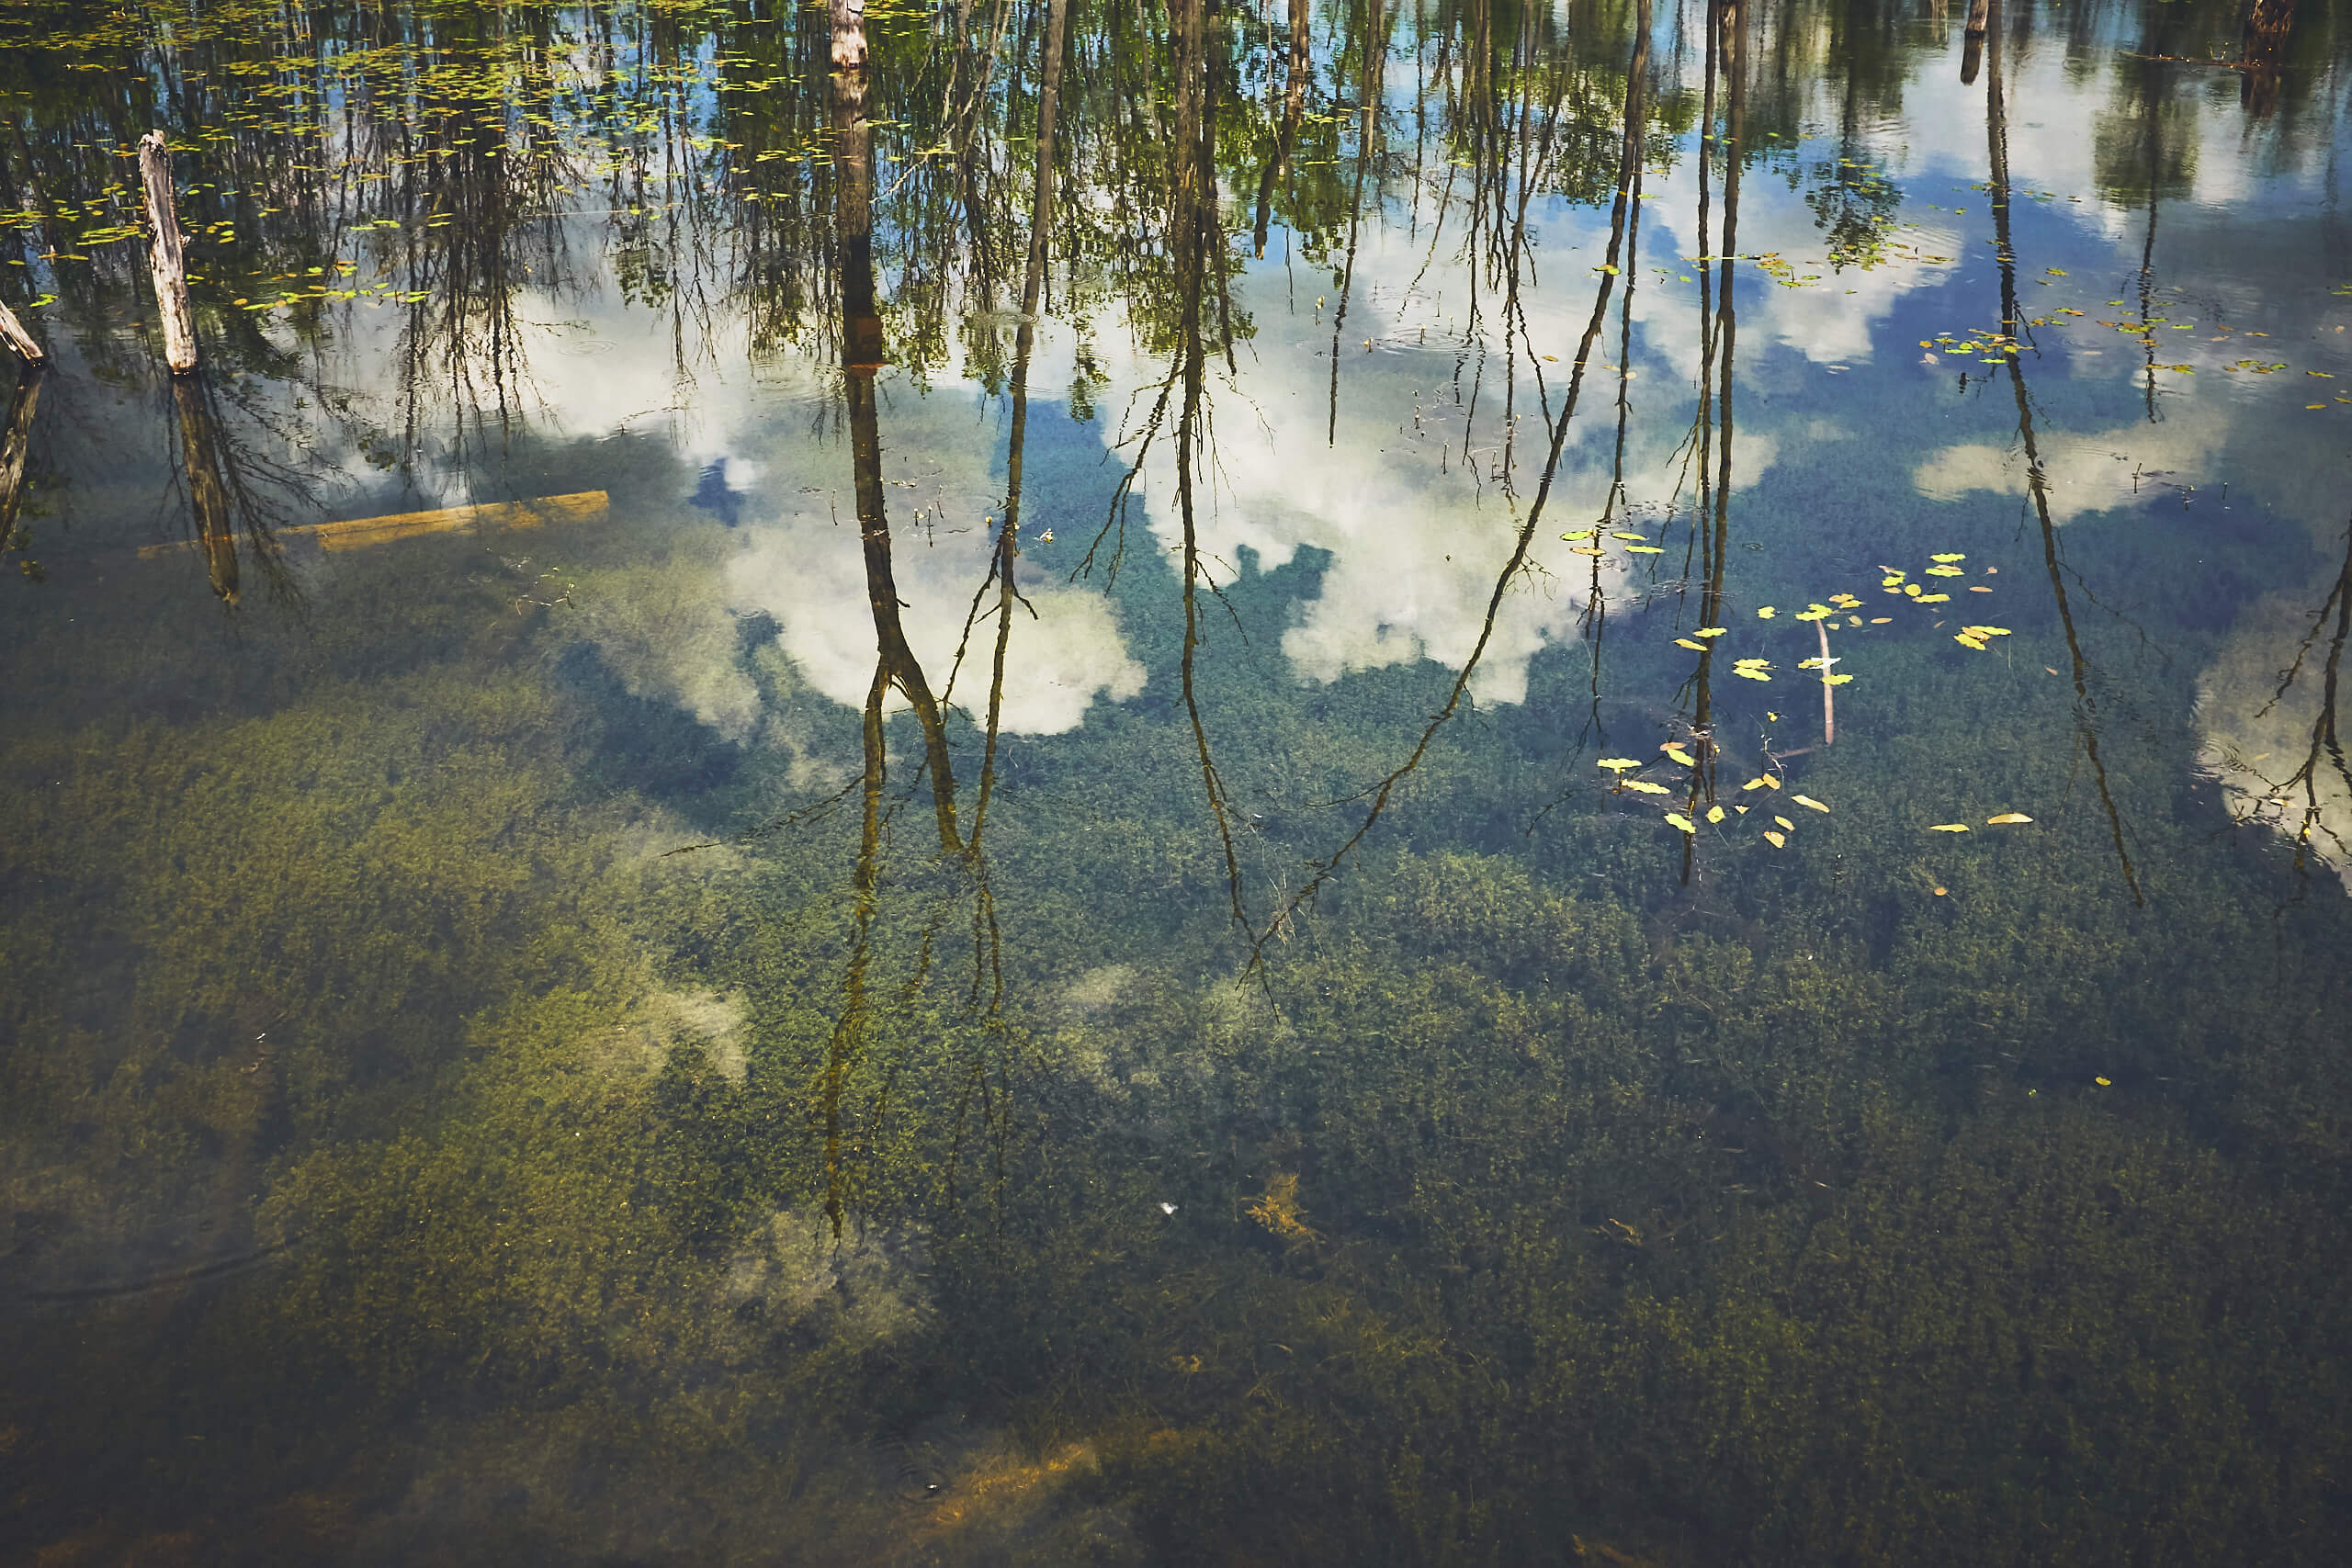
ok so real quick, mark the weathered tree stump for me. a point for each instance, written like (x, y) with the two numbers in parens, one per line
(167, 256)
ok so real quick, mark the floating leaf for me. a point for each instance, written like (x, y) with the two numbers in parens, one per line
(1714, 814)
(1693, 646)
(2104, 1083)
(1617, 764)
(1835, 679)
(1581, 533)
(1679, 755)
(1948, 828)
(1753, 784)
(1585, 550)
(1913, 589)
(1775, 839)
(1636, 538)
(1677, 819)
(1709, 631)
(1808, 802)
(1771, 780)
(1948, 559)
(1786, 823)
(1967, 641)
(1945, 571)
(2009, 817)
(1752, 674)
(1766, 612)
(1646, 788)
(1643, 550)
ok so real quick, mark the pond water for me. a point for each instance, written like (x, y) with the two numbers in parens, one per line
(1324, 782)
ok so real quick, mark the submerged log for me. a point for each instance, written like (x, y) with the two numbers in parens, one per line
(359, 533)
(166, 256)
(23, 342)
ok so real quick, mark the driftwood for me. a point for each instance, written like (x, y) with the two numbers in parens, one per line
(19, 338)
(359, 533)
(166, 256)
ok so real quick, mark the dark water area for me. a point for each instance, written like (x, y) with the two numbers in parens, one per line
(742, 839)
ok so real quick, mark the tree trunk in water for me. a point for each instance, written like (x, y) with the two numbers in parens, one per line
(167, 256)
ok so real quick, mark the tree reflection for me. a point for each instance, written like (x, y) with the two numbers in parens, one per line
(2087, 717)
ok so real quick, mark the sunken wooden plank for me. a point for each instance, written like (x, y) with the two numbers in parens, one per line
(359, 533)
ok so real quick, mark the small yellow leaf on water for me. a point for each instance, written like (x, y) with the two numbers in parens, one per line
(1769, 779)
(1714, 814)
(1643, 550)
(1967, 641)
(1709, 631)
(1676, 819)
(1753, 784)
(1585, 550)
(1948, 559)
(1693, 646)
(1741, 809)
(1913, 589)
(1617, 764)
(1945, 571)
(1644, 786)
(1581, 533)
(1636, 538)
(1775, 839)
(1949, 827)
(1765, 612)
(1939, 892)
(1835, 679)
(1786, 823)
(1807, 801)
(1978, 587)
(1882, 620)
(2009, 817)
(1679, 755)
(2104, 1083)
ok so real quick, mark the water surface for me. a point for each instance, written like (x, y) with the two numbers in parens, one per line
(1084, 808)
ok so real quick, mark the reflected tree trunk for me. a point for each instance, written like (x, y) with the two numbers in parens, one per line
(1997, 138)
(15, 451)
(2267, 23)
(895, 664)
(208, 490)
